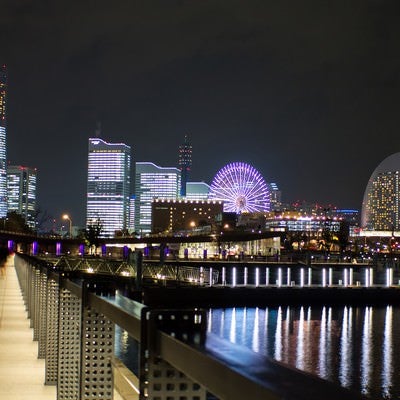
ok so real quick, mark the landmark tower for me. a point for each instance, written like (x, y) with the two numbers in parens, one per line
(108, 186)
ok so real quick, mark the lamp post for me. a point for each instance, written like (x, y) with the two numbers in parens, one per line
(66, 216)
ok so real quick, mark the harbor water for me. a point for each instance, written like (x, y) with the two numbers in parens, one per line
(356, 347)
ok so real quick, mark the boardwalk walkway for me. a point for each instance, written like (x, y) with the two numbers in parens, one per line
(21, 372)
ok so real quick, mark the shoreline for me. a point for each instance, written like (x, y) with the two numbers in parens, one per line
(224, 296)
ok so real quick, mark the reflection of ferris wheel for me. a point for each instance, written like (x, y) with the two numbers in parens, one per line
(241, 187)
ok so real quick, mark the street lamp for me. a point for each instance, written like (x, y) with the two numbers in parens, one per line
(66, 216)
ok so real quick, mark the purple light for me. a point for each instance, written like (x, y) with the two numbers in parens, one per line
(10, 245)
(242, 189)
(58, 249)
(103, 250)
(82, 249)
(125, 252)
(35, 248)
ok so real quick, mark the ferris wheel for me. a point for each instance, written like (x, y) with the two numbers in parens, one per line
(242, 188)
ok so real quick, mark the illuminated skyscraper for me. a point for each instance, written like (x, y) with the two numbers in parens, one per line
(197, 191)
(108, 185)
(21, 192)
(153, 182)
(381, 203)
(184, 163)
(275, 196)
(3, 121)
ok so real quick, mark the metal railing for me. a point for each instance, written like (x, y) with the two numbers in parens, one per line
(164, 272)
(74, 322)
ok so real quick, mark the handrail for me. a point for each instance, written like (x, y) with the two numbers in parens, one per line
(227, 370)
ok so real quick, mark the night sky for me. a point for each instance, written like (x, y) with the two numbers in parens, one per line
(305, 91)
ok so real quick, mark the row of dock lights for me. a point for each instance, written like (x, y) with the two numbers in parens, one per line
(326, 277)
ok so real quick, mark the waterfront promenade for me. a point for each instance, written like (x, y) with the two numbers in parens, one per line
(21, 372)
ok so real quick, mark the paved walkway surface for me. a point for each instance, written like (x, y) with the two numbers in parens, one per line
(21, 372)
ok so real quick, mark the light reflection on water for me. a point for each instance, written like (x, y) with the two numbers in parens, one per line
(353, 346)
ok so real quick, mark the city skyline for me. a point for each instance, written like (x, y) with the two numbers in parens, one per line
(304, 92)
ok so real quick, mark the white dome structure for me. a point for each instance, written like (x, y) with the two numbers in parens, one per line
(381, 202)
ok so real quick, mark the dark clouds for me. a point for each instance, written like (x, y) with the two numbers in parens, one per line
(306, 91)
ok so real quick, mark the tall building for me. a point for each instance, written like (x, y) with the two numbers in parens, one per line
(151, 182)
(197, 191)
(21, 192)
(3, 122)
(381, 202)
(184, 163)
(108, 185)
(275, 196)
(131, 226)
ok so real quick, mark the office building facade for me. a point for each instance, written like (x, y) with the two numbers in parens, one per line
(151, 182)
(197, 191)
(21, 192)
(108, 186)
(3, 152)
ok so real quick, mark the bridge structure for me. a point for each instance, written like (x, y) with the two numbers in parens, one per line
(240, 283)
(74, 319)
(298, 269)
(303, 272)
(36, 244)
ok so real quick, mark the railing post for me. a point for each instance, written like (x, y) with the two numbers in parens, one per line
(158, 379)
(97, 349)
(69, 343)
(36, 303)
(52, 326)
(31, 294)
(42, 323)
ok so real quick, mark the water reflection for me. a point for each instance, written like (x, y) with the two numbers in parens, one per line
(352, 346)
(346, 343)
(126, 349)
(366, 353)
(387, 367)
(278, 336)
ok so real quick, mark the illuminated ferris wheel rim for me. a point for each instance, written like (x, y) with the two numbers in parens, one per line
(241, 187)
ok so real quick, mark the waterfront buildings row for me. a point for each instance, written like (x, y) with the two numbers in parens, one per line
(237, 198)
(237, 187)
